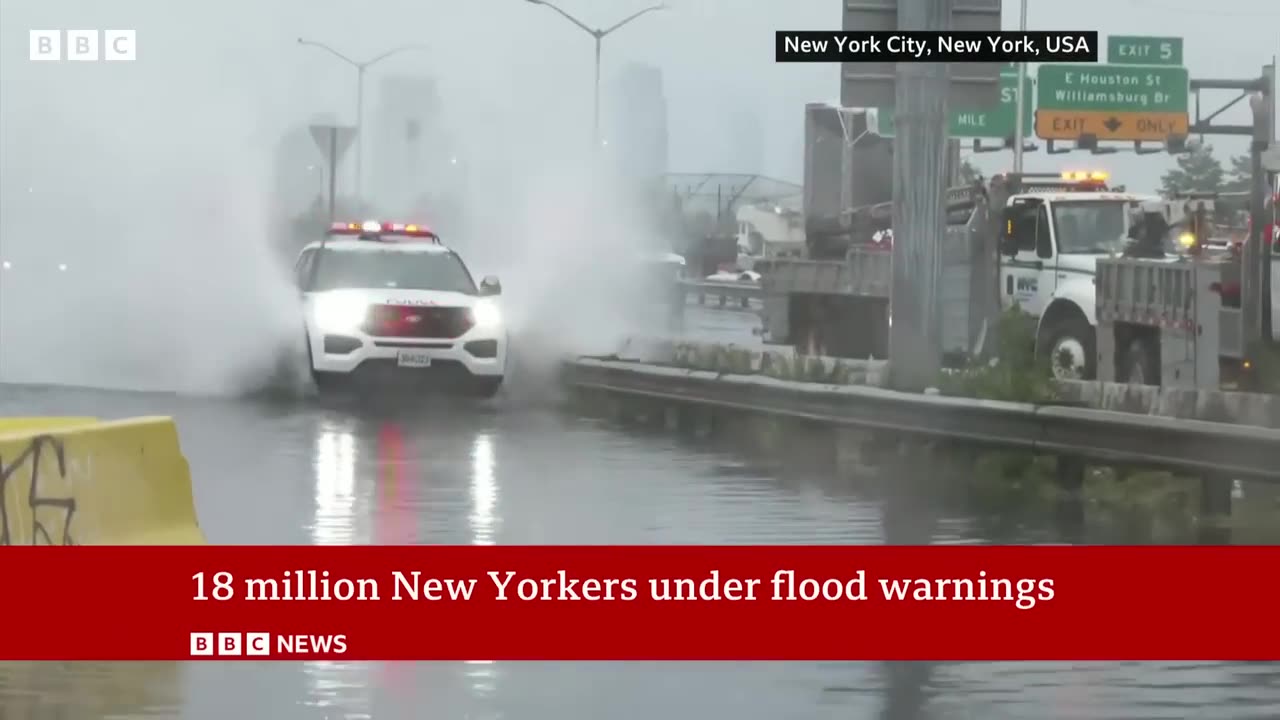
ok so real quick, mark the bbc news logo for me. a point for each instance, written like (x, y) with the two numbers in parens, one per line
(84, 45)
(205, 644)
(230, 644)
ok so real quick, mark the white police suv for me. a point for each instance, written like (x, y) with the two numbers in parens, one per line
(390, 302)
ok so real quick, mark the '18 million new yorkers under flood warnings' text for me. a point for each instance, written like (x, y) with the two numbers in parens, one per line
(778, 585)
(937, 46)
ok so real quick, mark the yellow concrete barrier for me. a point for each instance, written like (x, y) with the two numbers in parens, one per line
(77, 481)
(34, 424)
(40, 690)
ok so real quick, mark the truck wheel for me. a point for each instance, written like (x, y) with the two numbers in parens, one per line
(1140, 366)
(1070, 346)
(808, 343)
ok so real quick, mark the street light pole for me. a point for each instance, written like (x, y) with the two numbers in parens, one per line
(359, 133)
(360, 68)
(595, 127)
(1021, 103)
(599, 35)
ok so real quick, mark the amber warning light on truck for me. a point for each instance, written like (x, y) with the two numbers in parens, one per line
(937, 46)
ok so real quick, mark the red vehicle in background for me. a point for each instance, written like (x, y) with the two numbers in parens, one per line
(1270, 235)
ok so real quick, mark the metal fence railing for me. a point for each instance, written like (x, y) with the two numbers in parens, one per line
(723, 295)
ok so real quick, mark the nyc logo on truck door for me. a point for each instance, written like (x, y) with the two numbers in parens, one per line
(1027, 285)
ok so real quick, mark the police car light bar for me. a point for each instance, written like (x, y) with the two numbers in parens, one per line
(374, 227)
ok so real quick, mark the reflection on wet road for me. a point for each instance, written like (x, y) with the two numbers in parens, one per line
(458, 473)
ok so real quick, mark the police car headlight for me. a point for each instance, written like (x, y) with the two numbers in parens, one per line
(486, 314)
(339, 313)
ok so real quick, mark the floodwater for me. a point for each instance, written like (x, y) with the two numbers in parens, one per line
(521, 472)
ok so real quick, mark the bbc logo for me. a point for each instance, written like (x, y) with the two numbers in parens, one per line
(230, 644)
(83, 45)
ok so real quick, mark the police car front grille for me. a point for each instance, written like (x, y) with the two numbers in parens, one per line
(417, 321)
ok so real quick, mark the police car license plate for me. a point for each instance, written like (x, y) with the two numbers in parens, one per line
(410, 358)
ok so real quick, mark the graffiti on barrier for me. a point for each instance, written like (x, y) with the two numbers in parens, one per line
(43, 463)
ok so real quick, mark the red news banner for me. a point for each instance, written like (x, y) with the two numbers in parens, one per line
(641, 603)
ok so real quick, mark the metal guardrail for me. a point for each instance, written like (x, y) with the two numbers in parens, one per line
(727, 295)
(1187, 446)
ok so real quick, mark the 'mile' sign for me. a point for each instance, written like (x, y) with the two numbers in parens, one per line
(84, 45)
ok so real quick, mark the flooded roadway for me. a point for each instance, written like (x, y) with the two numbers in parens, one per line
(526, 473)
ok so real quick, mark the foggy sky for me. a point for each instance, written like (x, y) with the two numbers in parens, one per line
(495, 57)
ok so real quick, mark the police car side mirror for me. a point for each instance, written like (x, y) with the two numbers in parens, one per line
(490, 286)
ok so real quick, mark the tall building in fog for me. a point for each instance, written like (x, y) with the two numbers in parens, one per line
(407, 155)
(637, 133)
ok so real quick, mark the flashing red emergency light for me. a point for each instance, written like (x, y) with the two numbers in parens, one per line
(376, 229)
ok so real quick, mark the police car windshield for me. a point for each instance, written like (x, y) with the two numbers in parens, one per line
(443, 271)
(1091, 227)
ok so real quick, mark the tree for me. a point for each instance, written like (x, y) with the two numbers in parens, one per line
(968, 173)
(1239, 174)
(1197, 171)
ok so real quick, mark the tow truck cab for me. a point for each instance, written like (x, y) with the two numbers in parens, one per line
(1054, 233)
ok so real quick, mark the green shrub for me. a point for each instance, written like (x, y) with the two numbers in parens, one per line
(1015, 373)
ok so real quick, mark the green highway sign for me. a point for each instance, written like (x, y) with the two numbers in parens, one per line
(1113, 88)
(994, 123)
(1112, 102)
(1139, 50)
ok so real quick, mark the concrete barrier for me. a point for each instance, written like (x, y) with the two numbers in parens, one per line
(88, 689)
(1218, 452)
(1223, 406)
(1220, 406)
(34, 424)
(775, 361)
(77, 481)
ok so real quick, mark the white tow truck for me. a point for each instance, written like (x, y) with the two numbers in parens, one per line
(1049, 255)
(1054, 246)
(1176, 323)
(1033, 239)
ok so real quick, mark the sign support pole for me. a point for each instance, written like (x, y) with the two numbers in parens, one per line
(1018, 140)
(332, 141)
(1263, 128)
(919, 221)
(333, 170)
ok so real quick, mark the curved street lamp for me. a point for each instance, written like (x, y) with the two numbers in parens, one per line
(599, 35)
(360, 68)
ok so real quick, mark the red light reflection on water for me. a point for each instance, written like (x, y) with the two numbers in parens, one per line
(393, 524)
